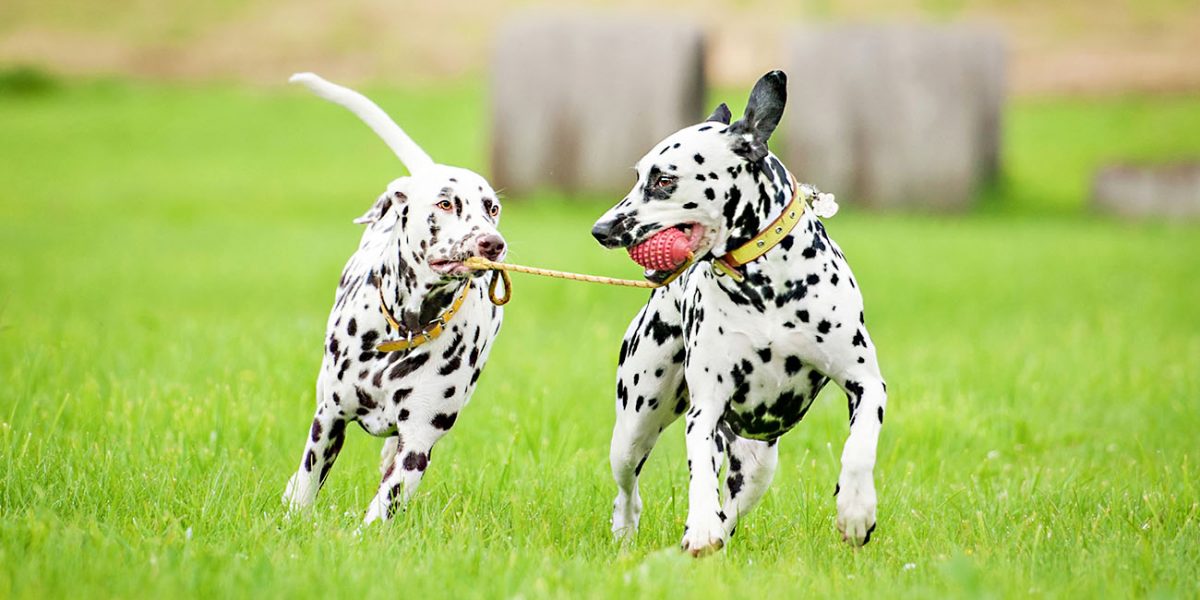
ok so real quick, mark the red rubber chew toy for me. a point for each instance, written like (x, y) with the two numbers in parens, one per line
(664, 251)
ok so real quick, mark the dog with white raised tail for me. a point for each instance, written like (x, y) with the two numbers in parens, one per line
(411, 325)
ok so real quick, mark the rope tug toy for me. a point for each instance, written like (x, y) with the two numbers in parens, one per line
(479, 263)
(668, 250)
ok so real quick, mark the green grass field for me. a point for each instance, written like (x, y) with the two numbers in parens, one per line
(169, 258)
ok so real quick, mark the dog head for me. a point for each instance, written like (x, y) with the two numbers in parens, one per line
(439, 219)
(695, 178)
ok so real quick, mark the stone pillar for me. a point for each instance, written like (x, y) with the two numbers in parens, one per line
(1171, 191)
(895, 116)
(577, 98)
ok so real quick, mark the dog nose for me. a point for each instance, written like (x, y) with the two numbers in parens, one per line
(605, 232)
(491, 246)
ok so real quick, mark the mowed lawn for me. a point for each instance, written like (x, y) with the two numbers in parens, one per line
(168, 256)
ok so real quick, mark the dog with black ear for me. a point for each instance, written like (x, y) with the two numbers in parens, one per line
(742, 341)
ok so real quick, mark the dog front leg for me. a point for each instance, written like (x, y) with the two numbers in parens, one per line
(705, 531)
(751, 468)
(866, 398)
(321, 448)
(650, 396)
(634, 436)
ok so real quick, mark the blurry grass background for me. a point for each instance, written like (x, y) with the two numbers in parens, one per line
(169, 258)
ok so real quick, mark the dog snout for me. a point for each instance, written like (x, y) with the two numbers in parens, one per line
(608, 231)
(491, 246)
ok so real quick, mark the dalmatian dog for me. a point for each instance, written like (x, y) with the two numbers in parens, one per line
(741, 361)
(406, 282)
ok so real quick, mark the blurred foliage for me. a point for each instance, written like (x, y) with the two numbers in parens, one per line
(26, 81)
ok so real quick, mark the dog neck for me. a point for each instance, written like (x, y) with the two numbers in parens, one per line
(414, 296)
(760, 193)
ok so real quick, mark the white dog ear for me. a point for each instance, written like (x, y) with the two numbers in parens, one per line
(394, 195)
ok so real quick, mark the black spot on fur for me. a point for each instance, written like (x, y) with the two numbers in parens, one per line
(854, 394)
(408, 365)
(641, 463)
(364, 399)
(368, 339)
(859, 339)
(444, 421)
(735, 485)
(792, 365)
(415, 461)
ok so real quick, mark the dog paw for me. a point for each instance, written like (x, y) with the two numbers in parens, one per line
(626, 514)
(856, 509)
(624, 533)
(294, 497)
(375, 512)
(703, 540)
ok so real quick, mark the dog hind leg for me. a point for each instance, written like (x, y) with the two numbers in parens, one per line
(650, 396)
(321, 448)
(634, 437)
(388, 454)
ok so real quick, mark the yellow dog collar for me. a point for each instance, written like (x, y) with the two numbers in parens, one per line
(766, 239)
(428, 333)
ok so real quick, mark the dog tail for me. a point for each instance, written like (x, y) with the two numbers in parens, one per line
(414, 158)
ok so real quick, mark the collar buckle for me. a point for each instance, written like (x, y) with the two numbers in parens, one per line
(722, 268)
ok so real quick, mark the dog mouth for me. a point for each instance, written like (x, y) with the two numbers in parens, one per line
(451, 267)
(664, 252)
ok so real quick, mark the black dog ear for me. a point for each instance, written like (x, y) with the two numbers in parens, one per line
(763, 111)
(720, 115)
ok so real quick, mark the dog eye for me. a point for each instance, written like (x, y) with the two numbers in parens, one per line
(493, 209)
(664, 181)
(446, 205)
